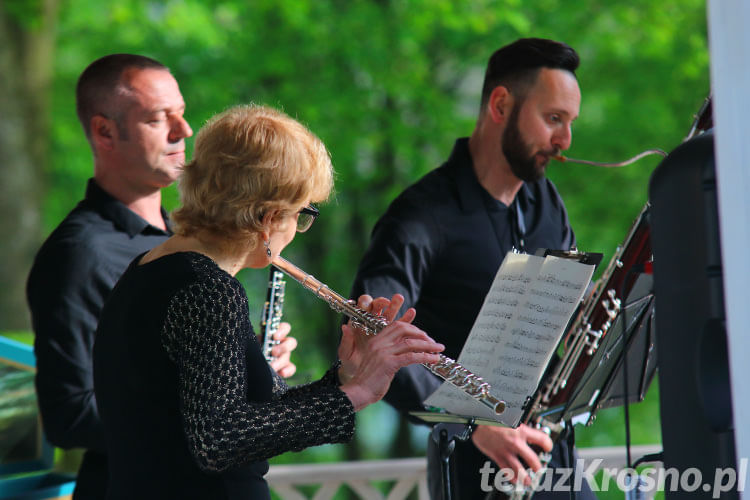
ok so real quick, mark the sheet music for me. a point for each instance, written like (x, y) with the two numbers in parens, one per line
(516, 332)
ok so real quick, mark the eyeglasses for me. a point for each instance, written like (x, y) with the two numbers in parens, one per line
(306, 217)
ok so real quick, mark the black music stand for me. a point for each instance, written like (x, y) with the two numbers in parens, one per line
(448, 429)
(451, 427)
(628, 349)
(445, 436)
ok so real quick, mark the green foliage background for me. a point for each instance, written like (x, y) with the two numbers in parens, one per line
(388, 85)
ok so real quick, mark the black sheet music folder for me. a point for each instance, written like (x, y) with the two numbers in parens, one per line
(590, 258)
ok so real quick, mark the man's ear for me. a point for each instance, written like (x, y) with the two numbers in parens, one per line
(499, 104)
(103, 132)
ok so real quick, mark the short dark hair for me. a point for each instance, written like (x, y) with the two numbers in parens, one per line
(99, 83)
(517, 65)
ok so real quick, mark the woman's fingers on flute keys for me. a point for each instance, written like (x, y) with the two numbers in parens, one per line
(398, 345)
(382, 306)
(401, 338)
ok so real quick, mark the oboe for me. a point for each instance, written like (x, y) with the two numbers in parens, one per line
(371, 324)
(272, 310)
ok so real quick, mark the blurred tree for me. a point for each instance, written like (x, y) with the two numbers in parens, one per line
(27, 46)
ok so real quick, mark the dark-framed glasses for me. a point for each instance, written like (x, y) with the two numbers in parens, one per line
(306, 217)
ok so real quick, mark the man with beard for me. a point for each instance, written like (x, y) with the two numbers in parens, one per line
(441, 242)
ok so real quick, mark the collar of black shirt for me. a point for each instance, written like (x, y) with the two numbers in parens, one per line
(470, 191)
(116, 211)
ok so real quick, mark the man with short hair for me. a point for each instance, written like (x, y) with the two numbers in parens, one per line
(441, 242)
(131, 110)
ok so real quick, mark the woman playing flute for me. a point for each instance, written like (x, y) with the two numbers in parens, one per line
(190, 406)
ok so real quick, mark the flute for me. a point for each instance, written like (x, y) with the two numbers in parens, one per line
(447, 368)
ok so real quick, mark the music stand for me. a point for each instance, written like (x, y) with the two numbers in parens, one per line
(602, 383)
(449, 427)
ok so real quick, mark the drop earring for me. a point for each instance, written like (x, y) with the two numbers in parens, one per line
(268, 248)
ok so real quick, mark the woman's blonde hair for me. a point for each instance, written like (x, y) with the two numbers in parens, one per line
(249, 161)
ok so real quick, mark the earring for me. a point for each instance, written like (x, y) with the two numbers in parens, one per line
(268, 249)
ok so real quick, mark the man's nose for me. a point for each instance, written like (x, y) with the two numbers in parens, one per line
(180, 129)
(562, 138)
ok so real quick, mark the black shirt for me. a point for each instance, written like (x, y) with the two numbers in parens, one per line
(72, 275)
(440, 244)
(191, 408)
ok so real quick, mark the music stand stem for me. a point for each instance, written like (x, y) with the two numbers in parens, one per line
(446, 447)
(445, 436)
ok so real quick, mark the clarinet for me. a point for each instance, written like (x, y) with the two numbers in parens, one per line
(371, 324)
(272, 311)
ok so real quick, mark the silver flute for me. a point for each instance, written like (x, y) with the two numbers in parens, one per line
(446, 368)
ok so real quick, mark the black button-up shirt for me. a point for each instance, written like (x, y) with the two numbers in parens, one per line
(73, 273)
(440, 244)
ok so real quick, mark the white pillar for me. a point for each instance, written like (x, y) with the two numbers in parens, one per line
(729, 43)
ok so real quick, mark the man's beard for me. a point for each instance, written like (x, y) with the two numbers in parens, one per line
(521, 159)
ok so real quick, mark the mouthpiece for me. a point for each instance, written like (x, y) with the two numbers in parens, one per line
(637, 157)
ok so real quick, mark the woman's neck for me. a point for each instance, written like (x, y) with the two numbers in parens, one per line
(229, 261)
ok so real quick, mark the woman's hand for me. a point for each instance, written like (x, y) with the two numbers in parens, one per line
(282, 351)
(349, 353)
(369, 363)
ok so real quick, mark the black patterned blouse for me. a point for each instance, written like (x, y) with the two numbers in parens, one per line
(190, 407)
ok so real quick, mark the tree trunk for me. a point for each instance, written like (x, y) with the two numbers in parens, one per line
(26, 50)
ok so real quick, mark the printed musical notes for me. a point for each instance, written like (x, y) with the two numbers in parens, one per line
(518, 328)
